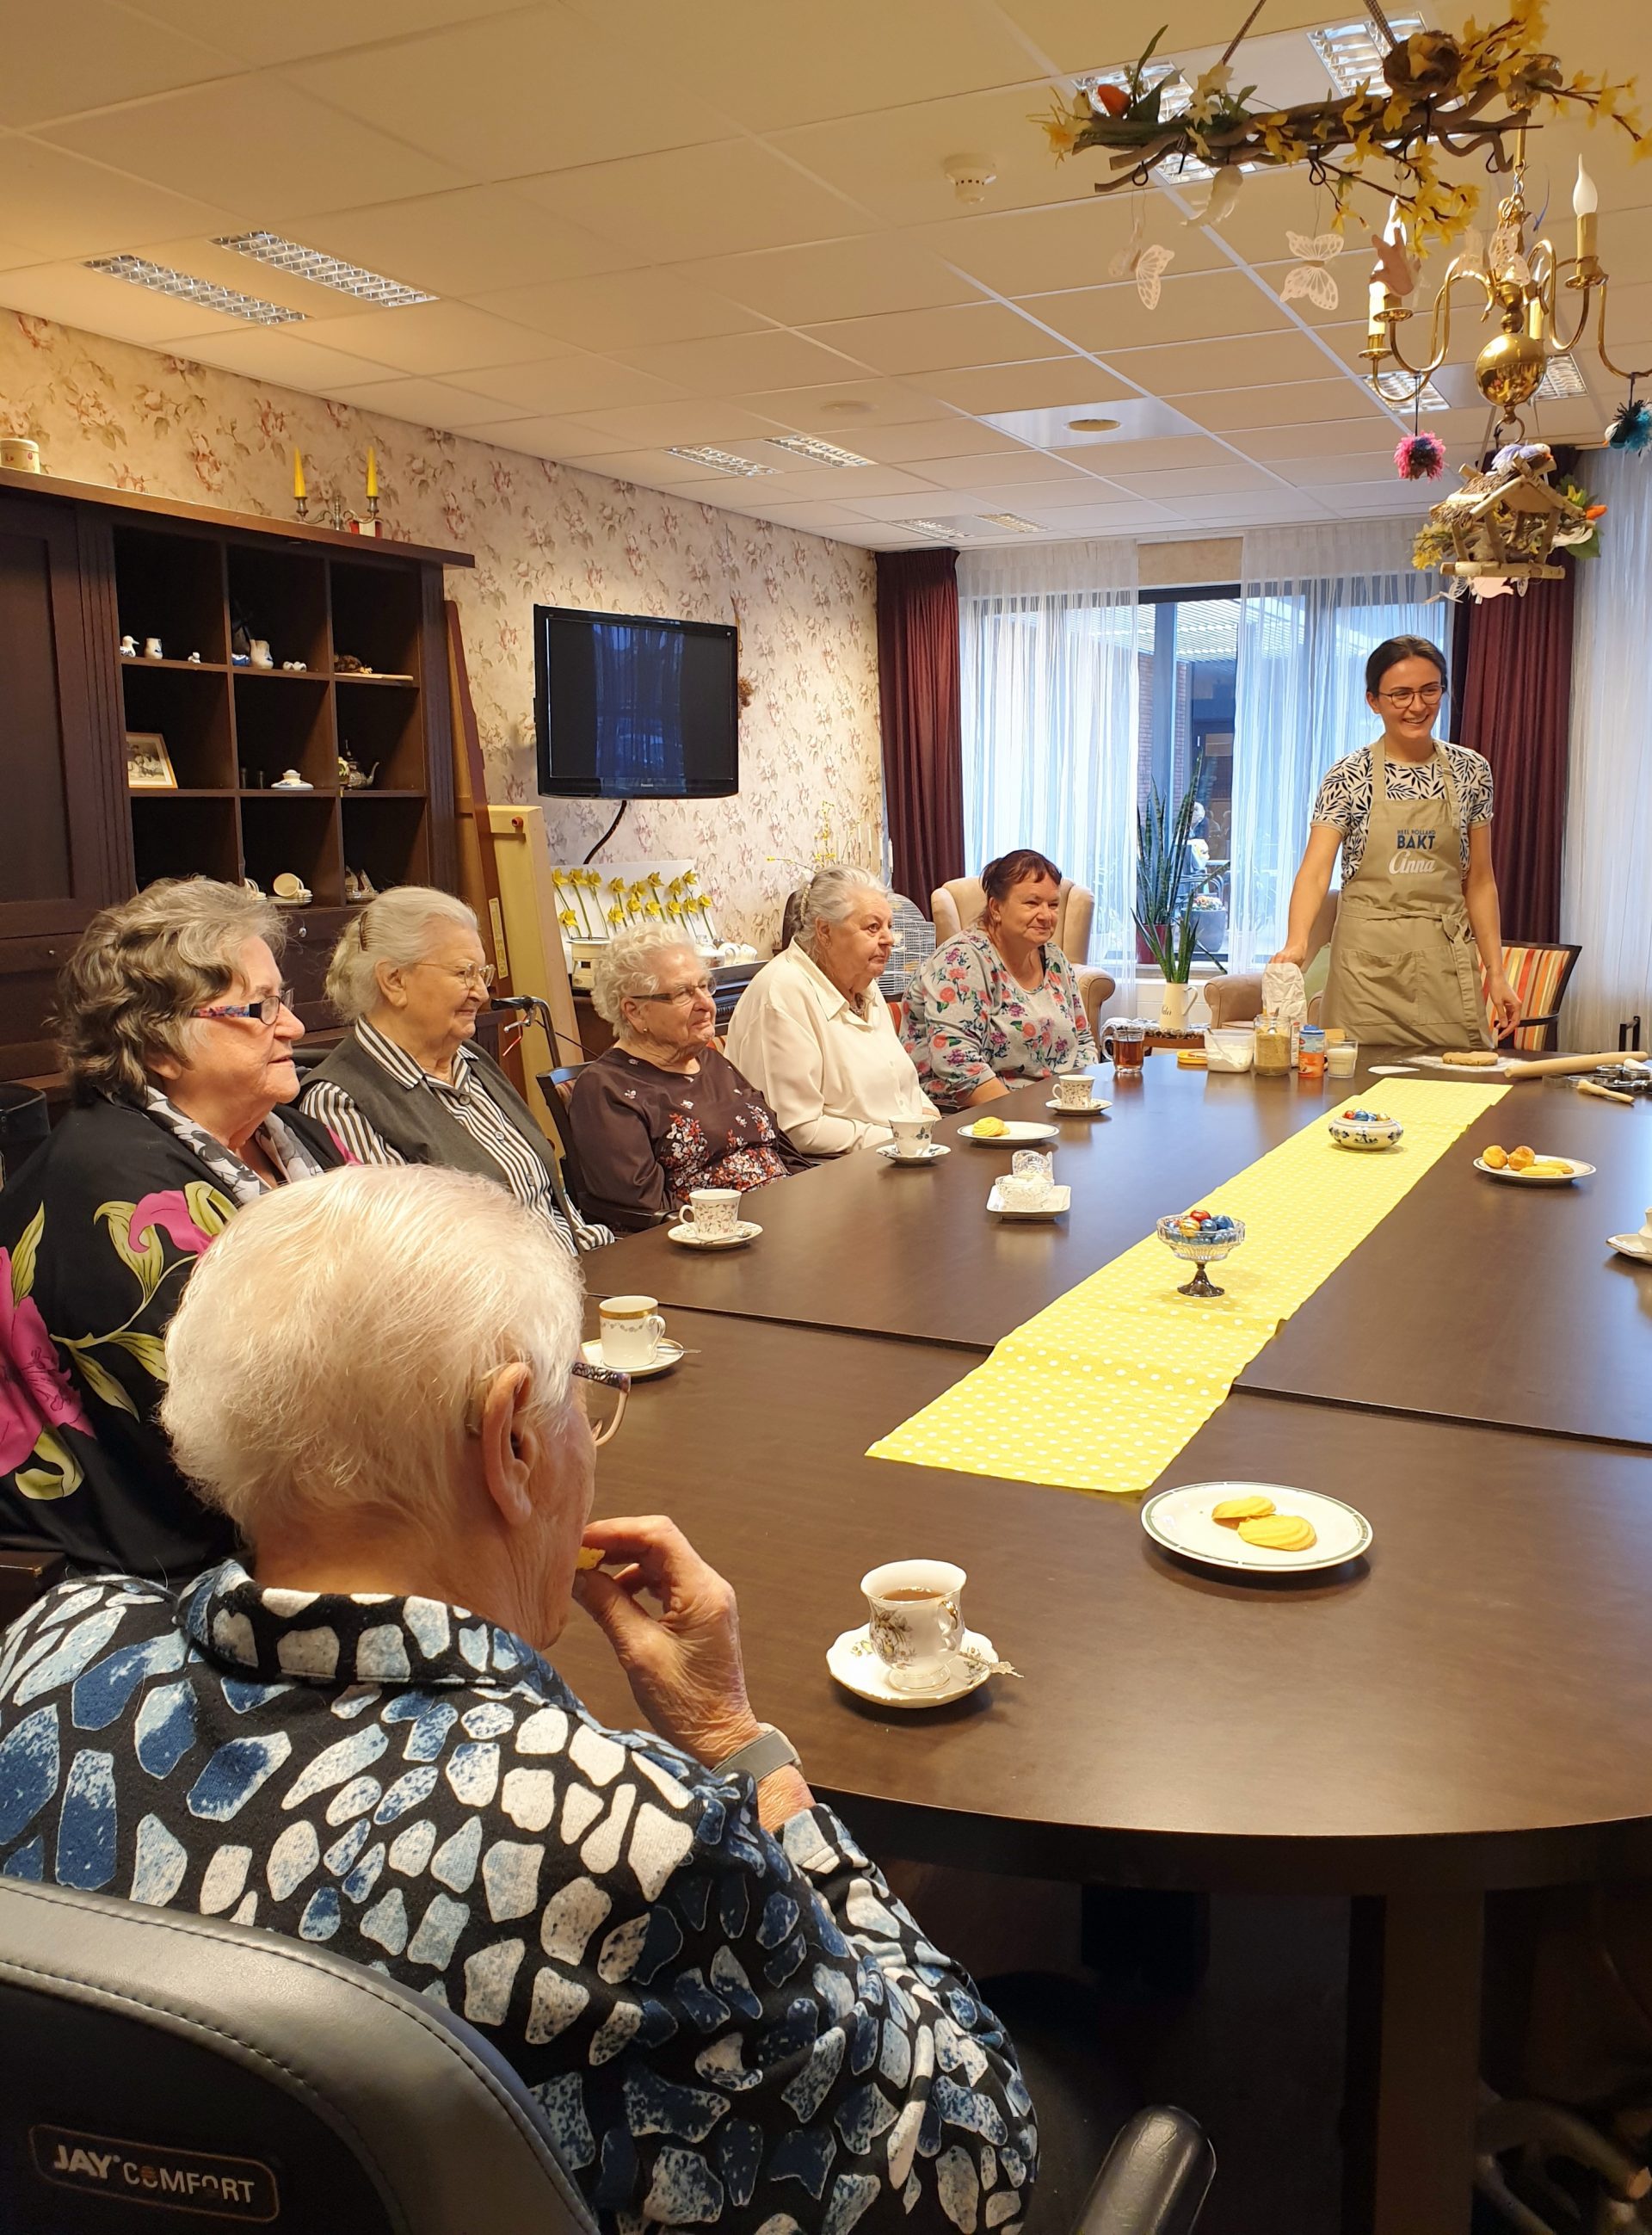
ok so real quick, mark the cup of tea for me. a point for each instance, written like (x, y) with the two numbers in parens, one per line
(631, 1331)
(1123, 1043)
(913, 1620)
(714, 1212)
(911, 1137)
(1074, 1090)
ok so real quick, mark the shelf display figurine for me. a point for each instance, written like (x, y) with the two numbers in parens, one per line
(128, 647)
(289, 780)
(352, 775)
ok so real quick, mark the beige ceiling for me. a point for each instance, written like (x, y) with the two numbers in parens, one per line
(650, 224)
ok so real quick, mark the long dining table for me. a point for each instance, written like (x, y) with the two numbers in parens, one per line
(1462, 1709)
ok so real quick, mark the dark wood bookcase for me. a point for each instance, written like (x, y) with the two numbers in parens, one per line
(82, 566)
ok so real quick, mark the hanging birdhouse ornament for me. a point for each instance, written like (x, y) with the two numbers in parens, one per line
(1503, 524)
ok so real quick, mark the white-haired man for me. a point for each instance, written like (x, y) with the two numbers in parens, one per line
(355, 1739)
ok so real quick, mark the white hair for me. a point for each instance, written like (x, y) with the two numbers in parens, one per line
(397, 927)
(828, 897)
(628, 967)
(331, 1342)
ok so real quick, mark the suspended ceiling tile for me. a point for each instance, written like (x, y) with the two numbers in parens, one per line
(622, 309)
(695, 202)
(642, 425)
(1022, 467)
(937, 341)
(938, 438)
(839, 484)
(436, 337)
(1161, 454)
(1206, 307)
(1180, 369)
(258, 143)
(814, 518)
(84, 54)
(284, 354)
(854, 278)
(1356, 465)
(737, 363)
(1384, 494)
(97, 304)
(596, 454)
(986, 388)
(836, 409)
(1301, 403)
(514, 93)
(1077, 35)
(1221, 509)
(426, 402)
(1197, 481)
(59, 205)
(945, 504)
(772, 67)
(1330, 438)
(260, 32)
(463, 243)
(572, 384)
(1041, 251)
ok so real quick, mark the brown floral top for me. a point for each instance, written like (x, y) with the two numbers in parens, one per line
(646, 1137)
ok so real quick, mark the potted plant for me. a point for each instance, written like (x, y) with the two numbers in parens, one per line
(1165, 922)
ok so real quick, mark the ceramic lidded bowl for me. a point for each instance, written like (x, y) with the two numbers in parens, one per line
(1365, 1128)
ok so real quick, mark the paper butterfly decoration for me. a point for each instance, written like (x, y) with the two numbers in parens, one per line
(1504, 259)
(1146, 264)
(1309, 277)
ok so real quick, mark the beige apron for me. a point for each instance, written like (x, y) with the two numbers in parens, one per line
(1404, 968)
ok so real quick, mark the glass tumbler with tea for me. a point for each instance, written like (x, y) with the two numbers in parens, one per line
(1123, 1043)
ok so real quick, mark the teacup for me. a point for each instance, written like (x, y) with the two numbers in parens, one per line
(1074, 1090)
(911, 1137)
(631, 1331)
(714, 1212)
(915, 1625)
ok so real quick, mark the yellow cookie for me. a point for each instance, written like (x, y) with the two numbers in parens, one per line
(1279, 1532)
(591, 1556)
(1494, 1158)
(1469, 1058)
(1519, 1158)
(1547, 1168)
(988, 1129)
(1233, 1511)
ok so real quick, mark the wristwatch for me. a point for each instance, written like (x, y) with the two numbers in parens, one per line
(759, 1757)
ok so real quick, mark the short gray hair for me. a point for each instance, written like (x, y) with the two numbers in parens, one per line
(330, 1344)
(828, 897)
(627, 969)
(398, 928)
(129, 990)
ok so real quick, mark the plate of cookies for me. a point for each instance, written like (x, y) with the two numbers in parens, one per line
(1531, 1167)
(1466, 1062)
(1263, 1528)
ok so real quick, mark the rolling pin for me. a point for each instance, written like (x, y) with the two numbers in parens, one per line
(1561, 1066)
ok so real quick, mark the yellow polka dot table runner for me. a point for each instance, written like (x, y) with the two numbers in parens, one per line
(1105, 1385)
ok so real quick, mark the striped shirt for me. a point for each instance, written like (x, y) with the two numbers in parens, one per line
(519, 1166)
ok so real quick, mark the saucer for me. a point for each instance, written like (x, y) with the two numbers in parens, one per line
(746, 1230)
(858, 1668)
(1638, 1246)
(1094, 1109)
(935, 1150)
(666, 1354)
(1055, 1204)
(1018, 1133)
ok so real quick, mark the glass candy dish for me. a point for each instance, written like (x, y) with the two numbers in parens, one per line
(1207, 1245)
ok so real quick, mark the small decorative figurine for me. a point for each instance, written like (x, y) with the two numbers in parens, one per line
(289, 780)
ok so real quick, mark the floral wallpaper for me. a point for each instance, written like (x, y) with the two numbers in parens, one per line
(107, 412)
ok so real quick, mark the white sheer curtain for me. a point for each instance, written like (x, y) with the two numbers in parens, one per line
(1605, 899)
(1316, 601)
(1047, 639)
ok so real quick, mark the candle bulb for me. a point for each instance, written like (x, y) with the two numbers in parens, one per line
(1584, 202)
(372, 471)
(299, 489)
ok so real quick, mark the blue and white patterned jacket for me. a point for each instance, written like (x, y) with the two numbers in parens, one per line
(724, 2028)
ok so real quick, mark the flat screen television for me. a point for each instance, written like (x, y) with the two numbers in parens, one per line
(626, 707)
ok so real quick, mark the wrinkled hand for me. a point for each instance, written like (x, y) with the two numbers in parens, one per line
(1505, 1007)
(684, 1663)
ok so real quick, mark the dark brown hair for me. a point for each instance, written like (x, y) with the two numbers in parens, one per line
(1000, 878)
(1400, 648)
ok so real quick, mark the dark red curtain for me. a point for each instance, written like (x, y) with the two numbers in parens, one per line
(1513, 685)
(918, 686)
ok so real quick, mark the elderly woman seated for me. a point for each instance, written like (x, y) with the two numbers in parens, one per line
(405, 1085)
(357, 1739)
(177, 1038)
(999, 1004)
(664, 1111)
(813, 1034)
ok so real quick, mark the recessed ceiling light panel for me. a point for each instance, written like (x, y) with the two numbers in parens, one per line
(1560, 380)
(1090, 424)
(205, 294)
(1013, 521)
(1396, 387)
(1352, 58)
(946, 532)
(719, 462)
(816, 452)
(325, 271)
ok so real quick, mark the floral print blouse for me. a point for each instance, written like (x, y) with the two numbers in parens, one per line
(968, 1020)
(646, 1137)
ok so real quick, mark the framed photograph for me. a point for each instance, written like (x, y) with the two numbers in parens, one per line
(148, 764)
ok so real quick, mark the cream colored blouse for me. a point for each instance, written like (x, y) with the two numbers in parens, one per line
(833, 1071)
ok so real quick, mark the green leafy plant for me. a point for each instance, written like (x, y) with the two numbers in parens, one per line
(1166, 923)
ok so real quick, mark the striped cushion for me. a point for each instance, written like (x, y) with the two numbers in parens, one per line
(1536, 974)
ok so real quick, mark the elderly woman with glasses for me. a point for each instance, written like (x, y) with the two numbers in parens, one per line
(177, 1036)
(1413, 820)
(664, 1111)
(360, 1737)
(405, 1085)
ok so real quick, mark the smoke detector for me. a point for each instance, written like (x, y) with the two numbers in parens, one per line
(970, 175)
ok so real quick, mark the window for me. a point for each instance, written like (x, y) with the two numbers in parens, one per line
(1187, 646)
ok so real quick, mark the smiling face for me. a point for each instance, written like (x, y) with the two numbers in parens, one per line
(681, 1014)
(236, 1069)
(430, 1006)
(856, 954)
(1408, 700)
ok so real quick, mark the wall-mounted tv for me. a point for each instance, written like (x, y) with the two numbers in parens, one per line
(626, 707)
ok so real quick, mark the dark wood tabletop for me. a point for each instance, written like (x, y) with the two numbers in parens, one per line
(1467, 1706)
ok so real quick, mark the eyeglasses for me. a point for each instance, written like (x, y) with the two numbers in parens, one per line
(469, 974)
(701, 990)
(267, 1008)
(604, 1423)
(1430, 695)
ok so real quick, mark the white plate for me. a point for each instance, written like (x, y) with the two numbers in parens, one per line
(1083, 1109)
(746, 1230)
(1017, 1133)
(666, 1354)
(1579, 1171)
(1180, 1521)
(932, 1155)
(1471, 1071)
(1058, 1201)
(1395, 1070)
(857, 1667)
(1638, 1246)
